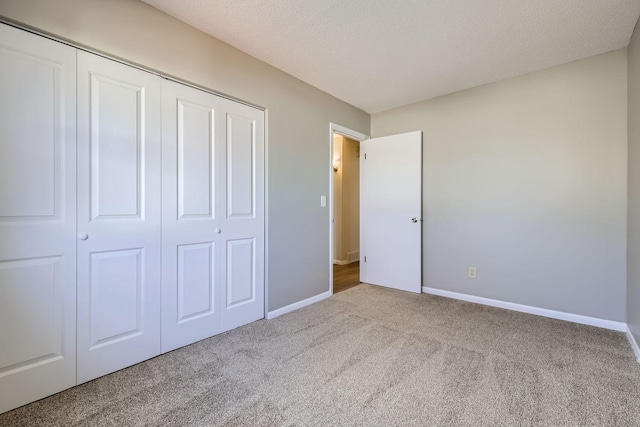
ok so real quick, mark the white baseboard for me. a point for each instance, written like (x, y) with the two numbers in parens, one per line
(634, 344)
(575, 318)
(296, 305)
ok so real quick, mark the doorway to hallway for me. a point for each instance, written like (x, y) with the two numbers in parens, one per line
(346, 212)
(345, 207)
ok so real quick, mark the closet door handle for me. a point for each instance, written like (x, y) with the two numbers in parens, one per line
(83, 236)
(217, 231)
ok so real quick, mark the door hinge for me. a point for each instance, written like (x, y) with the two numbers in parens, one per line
(365, 259)
(365, 156)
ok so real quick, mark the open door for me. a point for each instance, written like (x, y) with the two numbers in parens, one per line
(391, 211)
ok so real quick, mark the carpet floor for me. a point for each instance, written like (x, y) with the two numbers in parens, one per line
(370, 356)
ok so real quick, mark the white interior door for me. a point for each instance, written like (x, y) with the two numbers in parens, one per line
(391, 211)
(193, 133)
(118, 216)
(242, 219)
(37, 217)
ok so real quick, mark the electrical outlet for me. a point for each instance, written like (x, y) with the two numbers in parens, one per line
(473, 273)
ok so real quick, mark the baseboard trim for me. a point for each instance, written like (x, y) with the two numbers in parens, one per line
(634, 344)
(297, 305)
(575, 318)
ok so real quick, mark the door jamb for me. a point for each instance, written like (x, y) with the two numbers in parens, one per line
(356, 136)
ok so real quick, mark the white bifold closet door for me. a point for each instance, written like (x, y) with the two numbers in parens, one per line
(37, 217)
(213, 215)
(119, 217)
(242, 236)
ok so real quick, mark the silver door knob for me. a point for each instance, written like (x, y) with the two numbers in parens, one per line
(414, 220)
(217, 231)
(83, 236)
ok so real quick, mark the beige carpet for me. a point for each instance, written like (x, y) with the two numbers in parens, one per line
(370, 356)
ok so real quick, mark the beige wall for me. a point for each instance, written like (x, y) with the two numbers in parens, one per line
(337, 198)
(633, 215)
(346, 197)
(350, 197)
(298, 118)
(526, 179)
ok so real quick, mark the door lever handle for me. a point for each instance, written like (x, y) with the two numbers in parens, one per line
(414, 220)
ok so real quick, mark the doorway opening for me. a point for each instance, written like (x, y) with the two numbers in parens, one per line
(345, 208)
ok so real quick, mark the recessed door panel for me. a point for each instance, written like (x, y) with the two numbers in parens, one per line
(37, 217)
(119, 253)
(29, 303)
(116, 281)
(195, 160)
(196, 281)
(117, 148)
(30, 155)
(241, 271)
(241, 146)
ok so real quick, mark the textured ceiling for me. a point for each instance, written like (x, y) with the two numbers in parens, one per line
(381, 54)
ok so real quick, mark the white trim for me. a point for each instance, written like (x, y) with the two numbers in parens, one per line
(356, 136)
(575, 318)
(634, 344)
(351, 134)
(266, 213)
(296, 305)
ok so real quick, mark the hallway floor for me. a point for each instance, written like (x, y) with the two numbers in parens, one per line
(345, 276)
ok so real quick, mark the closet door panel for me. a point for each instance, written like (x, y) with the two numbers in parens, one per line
(243, 221)
(37, 217)
(196, 282)
(241, 273)
(195, 159)
(241, 166)
(193, 131)
(119, 121)
(116, 288)
(117, 149)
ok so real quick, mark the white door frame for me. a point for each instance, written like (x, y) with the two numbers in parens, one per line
(356, 136)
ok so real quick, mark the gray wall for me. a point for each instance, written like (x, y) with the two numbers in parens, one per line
(633, 214)
(526, 179)
(298, 158)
